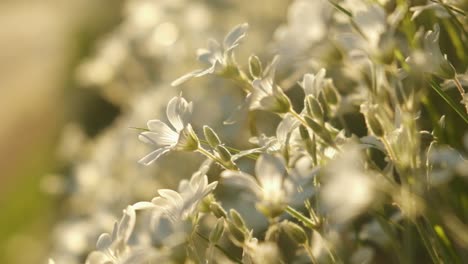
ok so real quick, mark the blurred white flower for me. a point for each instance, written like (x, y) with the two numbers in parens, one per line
(260, 252)
(114, 249)
(313, 83)
(217, 57)
(349, 190)
(431, 59)
(306, 25)
(182, 137)
(266, 95)
(363, 39)
(282, 138)
(182, 204)
(273, 188)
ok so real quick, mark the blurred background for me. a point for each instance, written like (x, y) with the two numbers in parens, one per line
(75, 75)
(41, 42)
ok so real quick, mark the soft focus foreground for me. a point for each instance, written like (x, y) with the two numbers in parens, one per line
(309, 132)
(39, 43)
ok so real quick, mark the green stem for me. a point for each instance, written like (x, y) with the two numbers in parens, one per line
(224, 251)
(449, 100)
(233, 150)
(306, 221)
(310, 253)
(298, 117)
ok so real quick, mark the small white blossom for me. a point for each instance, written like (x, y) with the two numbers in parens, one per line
(349, 190)
(283, 135)
(313, 83)
(266, 95)
(272, 186)
(180, 137)
(114, 249)
(182, 204)
(217, 57)
(431, 59)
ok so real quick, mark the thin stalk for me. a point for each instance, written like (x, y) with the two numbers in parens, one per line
(432, 252)
(214, 158)
(389, 148)
(449, 100)
(306, 221)
(234, 150)
(298, 117)
(310, 253)
(224, 251)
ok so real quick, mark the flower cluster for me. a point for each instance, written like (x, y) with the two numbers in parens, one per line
(341, 147)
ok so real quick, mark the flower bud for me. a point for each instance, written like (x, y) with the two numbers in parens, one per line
(217, 210)
(237, 235)
(320, 131)
(211, 136)
(313, 107)
(223, 153)
(217, 231)
(295, 232)
(330, 93)
(255, 67)
(237, 219)
(226, 157)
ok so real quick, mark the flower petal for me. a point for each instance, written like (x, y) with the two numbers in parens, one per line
(186, 77)
(126, 224)
(163, 134)
(178, 112)
(172, 196)
(143, 205)
(270, 171)
(286, 126)
(233, 38)
(244, 180)
(104, 241)
(151, 157)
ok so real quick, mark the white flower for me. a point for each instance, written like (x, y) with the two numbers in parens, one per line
(266, 95)
(348, 190)
(370, 20)
(306, 26)
(182, 204)
(283, 135)
(431, 59)
(180, 137)
(216, 57)
(114, 249)
(272, 188)
(313, 83)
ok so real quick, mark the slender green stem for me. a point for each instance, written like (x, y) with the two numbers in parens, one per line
(296, 214)
(449, 101)
(340, 8)
(298, 117)
(310, 253)
(233, 150)
(208, 154)
(224, 251)
(389, 148)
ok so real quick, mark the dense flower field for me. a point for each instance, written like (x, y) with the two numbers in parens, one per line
(309, 132)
